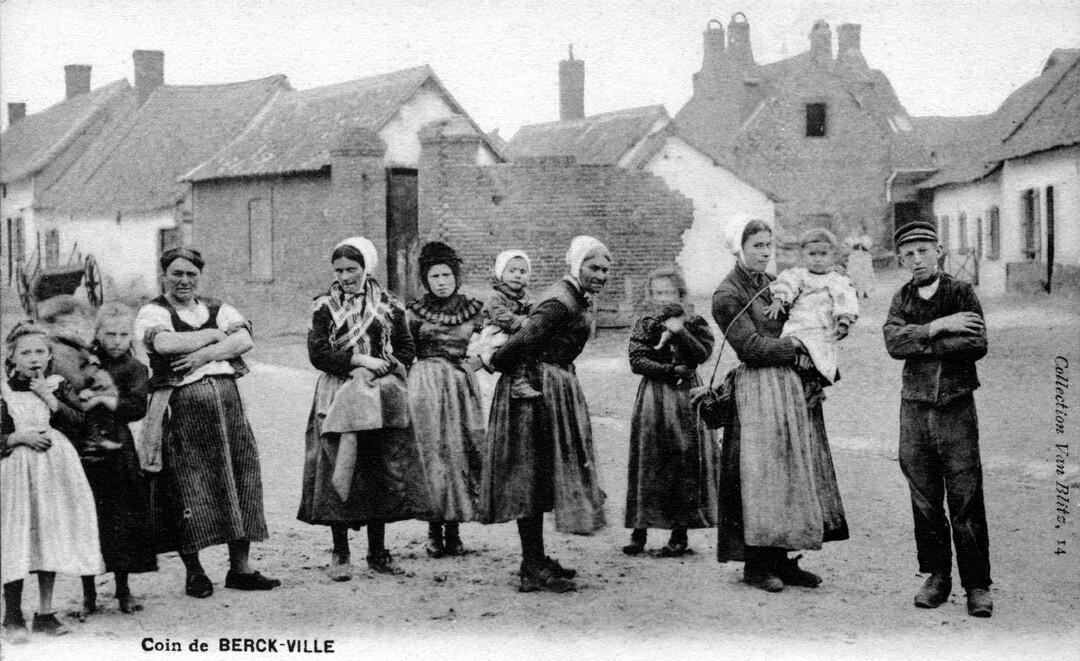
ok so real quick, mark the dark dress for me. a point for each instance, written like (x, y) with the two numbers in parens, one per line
(777, 484)
(540, 451)
(388, 480)
(445, 404)
(671, 479)
(125, 523)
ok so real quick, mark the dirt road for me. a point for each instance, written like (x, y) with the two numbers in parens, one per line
(650, 608)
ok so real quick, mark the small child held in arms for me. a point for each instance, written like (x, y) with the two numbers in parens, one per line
(48, 523)
(506, 312)
(821, 303)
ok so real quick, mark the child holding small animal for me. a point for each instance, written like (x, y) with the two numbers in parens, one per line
(48, 523)
(671, 479)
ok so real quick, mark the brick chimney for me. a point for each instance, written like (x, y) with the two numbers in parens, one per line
(714, 45)
(149, 72)
(738, 45)
(16, 112)
(820, 42)
(76, 80)
(848, 44)
(571, 88)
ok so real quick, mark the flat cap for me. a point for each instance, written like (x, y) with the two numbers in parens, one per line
(916, 231)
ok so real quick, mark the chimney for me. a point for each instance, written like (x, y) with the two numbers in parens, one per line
(15, 113)
(820, 42)
(848, 44)
(76, 79)
(714, 45)
(149, 72)
(738, 45)
(572, 88)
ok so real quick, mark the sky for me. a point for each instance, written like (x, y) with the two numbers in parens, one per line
(499, 58)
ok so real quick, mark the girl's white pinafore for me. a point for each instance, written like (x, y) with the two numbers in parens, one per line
(47, 516)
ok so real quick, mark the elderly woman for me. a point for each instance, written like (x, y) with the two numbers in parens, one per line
(444, 397)
(540, 450)
(362, 465)
(778, 489)
(209, 490)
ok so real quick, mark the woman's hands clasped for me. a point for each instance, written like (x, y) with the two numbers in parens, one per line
(377, 366)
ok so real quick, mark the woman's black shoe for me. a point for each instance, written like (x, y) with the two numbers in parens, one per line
(48, 624)
(199, 586)
(250, 581)
(672, 550)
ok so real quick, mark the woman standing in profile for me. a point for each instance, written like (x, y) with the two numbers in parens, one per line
(444, 397)
(540, 450)
(362, 466)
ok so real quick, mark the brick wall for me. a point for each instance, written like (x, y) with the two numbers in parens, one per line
(539, 207)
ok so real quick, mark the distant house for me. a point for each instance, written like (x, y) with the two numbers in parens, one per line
(1007, 195)
(827, 135)
(314, 167)
(123, 200)
(646, 139)
(38, 149)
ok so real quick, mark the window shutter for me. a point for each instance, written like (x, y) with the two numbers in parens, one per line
(995, 233)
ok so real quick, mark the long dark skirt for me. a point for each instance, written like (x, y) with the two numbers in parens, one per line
(388, 479)
(671, 479)
(122, 498)
(540, 456)
(209, 490)
(445, 403)
(777, 483)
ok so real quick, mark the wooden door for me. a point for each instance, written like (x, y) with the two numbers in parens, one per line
(402, 233)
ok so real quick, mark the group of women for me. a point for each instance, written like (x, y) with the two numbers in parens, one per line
(421, 450)
(770, 490)
(397, 429)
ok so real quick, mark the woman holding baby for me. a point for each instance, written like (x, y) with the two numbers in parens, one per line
(778, 489)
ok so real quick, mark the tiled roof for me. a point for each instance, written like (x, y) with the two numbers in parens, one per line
(296, 131)
(1042, 114)
(596, 140)
(32, 143)
(135, 166)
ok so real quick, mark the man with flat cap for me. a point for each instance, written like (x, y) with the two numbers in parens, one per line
(935, 325)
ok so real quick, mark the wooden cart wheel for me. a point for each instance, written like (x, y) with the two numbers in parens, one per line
(22, 285)
(92, 281)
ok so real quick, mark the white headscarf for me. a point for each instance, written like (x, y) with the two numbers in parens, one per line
(366, 248)
(734, 229)
(580, 248)
(503, 260)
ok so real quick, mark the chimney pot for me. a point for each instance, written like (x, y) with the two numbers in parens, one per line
(738, 46)
(149, 72)
(848, 44)
(16, 113)
(714, 45)
(76, 80)
(572, 88)
(821, 41)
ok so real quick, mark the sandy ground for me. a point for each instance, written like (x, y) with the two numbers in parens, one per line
(643, 607)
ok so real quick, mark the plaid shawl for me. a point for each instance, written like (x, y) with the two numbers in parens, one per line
(356, 313)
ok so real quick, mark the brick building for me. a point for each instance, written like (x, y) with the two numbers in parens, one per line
(646, 140)
(314, 167)
(827, 134)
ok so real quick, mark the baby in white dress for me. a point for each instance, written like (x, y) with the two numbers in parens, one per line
(821, 303)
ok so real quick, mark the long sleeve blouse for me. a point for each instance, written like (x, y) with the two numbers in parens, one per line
(325, 357)
(558, 328)
(753, 335)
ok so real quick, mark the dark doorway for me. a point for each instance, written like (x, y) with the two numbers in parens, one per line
(402, 233)
(1049, 236)
(904, 213)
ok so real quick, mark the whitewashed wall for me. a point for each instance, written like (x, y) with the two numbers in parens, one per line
(19, 202)
(974, 200)
(718, 195)
(402, 133)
